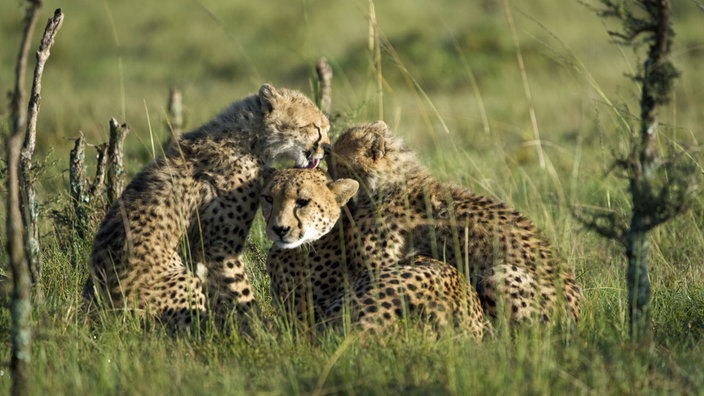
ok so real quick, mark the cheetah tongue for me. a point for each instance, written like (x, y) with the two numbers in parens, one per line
(313, 163)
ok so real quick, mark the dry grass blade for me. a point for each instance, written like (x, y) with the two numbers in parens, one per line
(526, 86)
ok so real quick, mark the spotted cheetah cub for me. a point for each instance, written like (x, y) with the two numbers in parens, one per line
(401, 209)
(310, 279)
(171, 245)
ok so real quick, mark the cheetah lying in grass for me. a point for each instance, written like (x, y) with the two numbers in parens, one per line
(401, 209)
(311, 279)
(200, 198)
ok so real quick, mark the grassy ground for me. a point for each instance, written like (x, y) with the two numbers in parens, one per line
(454, 89)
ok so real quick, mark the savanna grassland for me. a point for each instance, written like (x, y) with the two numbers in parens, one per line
(447, 77)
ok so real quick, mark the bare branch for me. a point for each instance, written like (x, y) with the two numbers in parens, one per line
(175, 110)
(325, 80)
(28, 193)
(98, 185)
(21, 274)
(606, 224)
(77, 184)
(17, 110)
(77, 170)
(15, 228)
(52, 28)
(116, 168)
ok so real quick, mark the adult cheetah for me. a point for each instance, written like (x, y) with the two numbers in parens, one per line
(171, 245)
(310, 278)
(402, 209)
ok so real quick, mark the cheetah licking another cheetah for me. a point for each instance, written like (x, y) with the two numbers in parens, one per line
(171, 245)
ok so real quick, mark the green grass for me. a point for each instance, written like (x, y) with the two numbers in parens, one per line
(455, 67)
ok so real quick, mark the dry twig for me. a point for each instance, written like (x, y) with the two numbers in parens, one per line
(18, 112)
(116, 168)
(77, 183)
(175, 110)
(28, 199)
(325, 80)
(21, 275)
(18, 168)
(98, 186)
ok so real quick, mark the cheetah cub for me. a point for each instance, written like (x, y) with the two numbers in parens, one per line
(171, 245)
(401, 209)
(310, 279)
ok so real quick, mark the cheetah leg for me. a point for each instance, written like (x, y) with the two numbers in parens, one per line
(217, 244)
(228, 286)
(177, 298)
(511, 289)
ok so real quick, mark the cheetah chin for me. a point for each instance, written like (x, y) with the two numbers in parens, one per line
(288, 245)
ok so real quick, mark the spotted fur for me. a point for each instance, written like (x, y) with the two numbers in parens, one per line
(401, 209)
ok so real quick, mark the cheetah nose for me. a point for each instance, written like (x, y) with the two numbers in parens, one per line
(280, 230)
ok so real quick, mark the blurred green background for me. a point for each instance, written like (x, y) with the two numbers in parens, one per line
(119, 58)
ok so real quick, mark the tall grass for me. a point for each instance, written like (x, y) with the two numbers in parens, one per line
(453, 89)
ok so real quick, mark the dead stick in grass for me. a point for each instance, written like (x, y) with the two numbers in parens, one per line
(17, 245)
(77, 184)
(85, 197)
(175, 111)
(98, 186)
(116, 168)
(21, 275)
(325, 79)
(18, 112)
(28, 198)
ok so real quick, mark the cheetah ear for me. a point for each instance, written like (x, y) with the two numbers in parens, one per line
(267, 97)
(344, 189)
(378, 147)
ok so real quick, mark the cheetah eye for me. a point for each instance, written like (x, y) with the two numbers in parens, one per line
(268, 199)
(301, 202)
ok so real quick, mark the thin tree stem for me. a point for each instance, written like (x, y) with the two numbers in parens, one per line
(21, 275)
(116, 168)
(77, 184)
(637, 246)
(175, 110)
(18, 112)
(325, 80)
(28, 199)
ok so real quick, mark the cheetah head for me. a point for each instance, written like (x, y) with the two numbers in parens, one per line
(295, 129)
(302, 205)
(371, 154)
